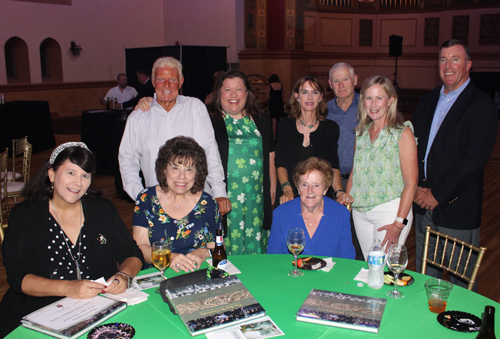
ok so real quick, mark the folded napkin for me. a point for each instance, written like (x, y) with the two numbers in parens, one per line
(103, 281)
(131, 296)
(329, 265)
(362, 275)
(231, 269)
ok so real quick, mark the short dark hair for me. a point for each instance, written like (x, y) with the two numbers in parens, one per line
(293, 105)
(144, 71)
(454, 42)
(119, 75)
(182, 150)
(215, 108)
(40, 188)
(274, 78)
(311, 164)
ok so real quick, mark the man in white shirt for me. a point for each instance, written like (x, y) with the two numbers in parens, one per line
(122, 92)
(170, 115)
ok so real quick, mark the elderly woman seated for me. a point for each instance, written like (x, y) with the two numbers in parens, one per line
(325, 222)
(177, 210)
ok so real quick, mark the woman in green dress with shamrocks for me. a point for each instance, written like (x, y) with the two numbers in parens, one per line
(246, 146)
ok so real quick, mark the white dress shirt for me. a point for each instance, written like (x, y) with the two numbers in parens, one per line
(115, 92)
(146, 132)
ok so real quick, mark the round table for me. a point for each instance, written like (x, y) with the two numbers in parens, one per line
(266, 278)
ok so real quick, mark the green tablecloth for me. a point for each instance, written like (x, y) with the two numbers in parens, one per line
(281, 296)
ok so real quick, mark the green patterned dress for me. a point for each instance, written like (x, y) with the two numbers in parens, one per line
(245, 180)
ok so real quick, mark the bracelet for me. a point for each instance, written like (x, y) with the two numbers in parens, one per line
(398, 227)
(129, 278)
(337, 192)
(283, 185)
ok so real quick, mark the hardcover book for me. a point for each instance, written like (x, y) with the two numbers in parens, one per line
(214, 304)
(71, 318)
(343, 310)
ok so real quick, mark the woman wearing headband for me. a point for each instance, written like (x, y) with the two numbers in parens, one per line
(63, 236)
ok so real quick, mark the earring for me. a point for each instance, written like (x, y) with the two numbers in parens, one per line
(298, 100)
(51, 186)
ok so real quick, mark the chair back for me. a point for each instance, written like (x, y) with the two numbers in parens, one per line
(18, 151)
(27, 162)
(3, 187)
(460, 253)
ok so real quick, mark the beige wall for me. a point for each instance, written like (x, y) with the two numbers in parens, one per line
(334, 37)
(102, 28)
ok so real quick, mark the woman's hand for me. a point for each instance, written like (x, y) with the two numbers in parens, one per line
(392, 234)
(344, 198)
(189, 262)
(287, 196)
(83, 289)
(119, 284)
(224, 205)
(144, 104)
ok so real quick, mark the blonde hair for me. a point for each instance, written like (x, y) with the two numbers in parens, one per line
(167, 62)
(394, 118)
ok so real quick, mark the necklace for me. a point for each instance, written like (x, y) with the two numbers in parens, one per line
(78, 272)
(308, 126)
(376, 136)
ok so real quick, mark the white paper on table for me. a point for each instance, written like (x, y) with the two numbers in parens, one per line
(68, 312)
(254, 329)
(329, 264)
(231, 269)
(131, 296)
(362, 275)
(103, 281)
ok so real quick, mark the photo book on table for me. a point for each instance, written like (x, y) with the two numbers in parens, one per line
(343, 310)
(71, 318)
(210, 305)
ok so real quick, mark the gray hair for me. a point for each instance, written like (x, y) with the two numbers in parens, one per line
(167, 62)
(340, 65)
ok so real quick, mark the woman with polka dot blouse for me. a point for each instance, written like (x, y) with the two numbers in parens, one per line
(63, 236)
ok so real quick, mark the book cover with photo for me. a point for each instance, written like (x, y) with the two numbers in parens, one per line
(71, 318)
(211, 305)
(343, 310)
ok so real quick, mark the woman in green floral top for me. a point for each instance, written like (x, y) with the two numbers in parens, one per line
(177, 210)
(385, 172)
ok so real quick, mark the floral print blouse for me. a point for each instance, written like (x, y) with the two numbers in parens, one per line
(195, 230)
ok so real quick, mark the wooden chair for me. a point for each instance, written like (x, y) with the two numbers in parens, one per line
(3, 183)
(456, 246)
(14, 188)
(18, 150)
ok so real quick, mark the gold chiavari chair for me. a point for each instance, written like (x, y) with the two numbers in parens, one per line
(459, 253)
(14, 188)
(18, 150)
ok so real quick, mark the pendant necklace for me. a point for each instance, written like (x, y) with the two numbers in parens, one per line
(78, 272)
(308, 126)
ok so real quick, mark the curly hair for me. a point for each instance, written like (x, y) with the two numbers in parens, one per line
(182, 150)
(215, 108)
(394, 118)
(40, 188)
(293, 106)
(311, 164)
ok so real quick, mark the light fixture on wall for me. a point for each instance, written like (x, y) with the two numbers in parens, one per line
(75, 49)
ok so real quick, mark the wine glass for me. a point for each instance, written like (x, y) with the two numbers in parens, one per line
(397, 259)
(161, 256)
(295, 242)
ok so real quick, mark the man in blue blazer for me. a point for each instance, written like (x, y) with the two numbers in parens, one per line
(456, 126)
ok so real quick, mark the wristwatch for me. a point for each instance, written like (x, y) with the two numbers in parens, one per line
(402, 221)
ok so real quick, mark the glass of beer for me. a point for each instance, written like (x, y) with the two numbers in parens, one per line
(295, 243)
(161, 255)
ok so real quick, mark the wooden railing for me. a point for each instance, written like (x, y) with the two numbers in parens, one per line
(410, 4)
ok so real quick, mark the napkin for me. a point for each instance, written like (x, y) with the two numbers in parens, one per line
(362, 275)
(231, 269)
(131, 296)
(103, 281)
(329, 265)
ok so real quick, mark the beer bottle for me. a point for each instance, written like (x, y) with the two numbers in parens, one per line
(115, 104)
(107, 103)
(219, 257)
(488, 325)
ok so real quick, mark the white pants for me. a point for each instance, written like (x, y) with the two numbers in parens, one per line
(367, 223)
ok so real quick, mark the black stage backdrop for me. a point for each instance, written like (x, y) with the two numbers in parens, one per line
(199, 64)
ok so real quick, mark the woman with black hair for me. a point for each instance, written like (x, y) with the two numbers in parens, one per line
(62, 237)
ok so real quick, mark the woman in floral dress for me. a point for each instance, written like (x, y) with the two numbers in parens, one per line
(177, 210)
(246, 146)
